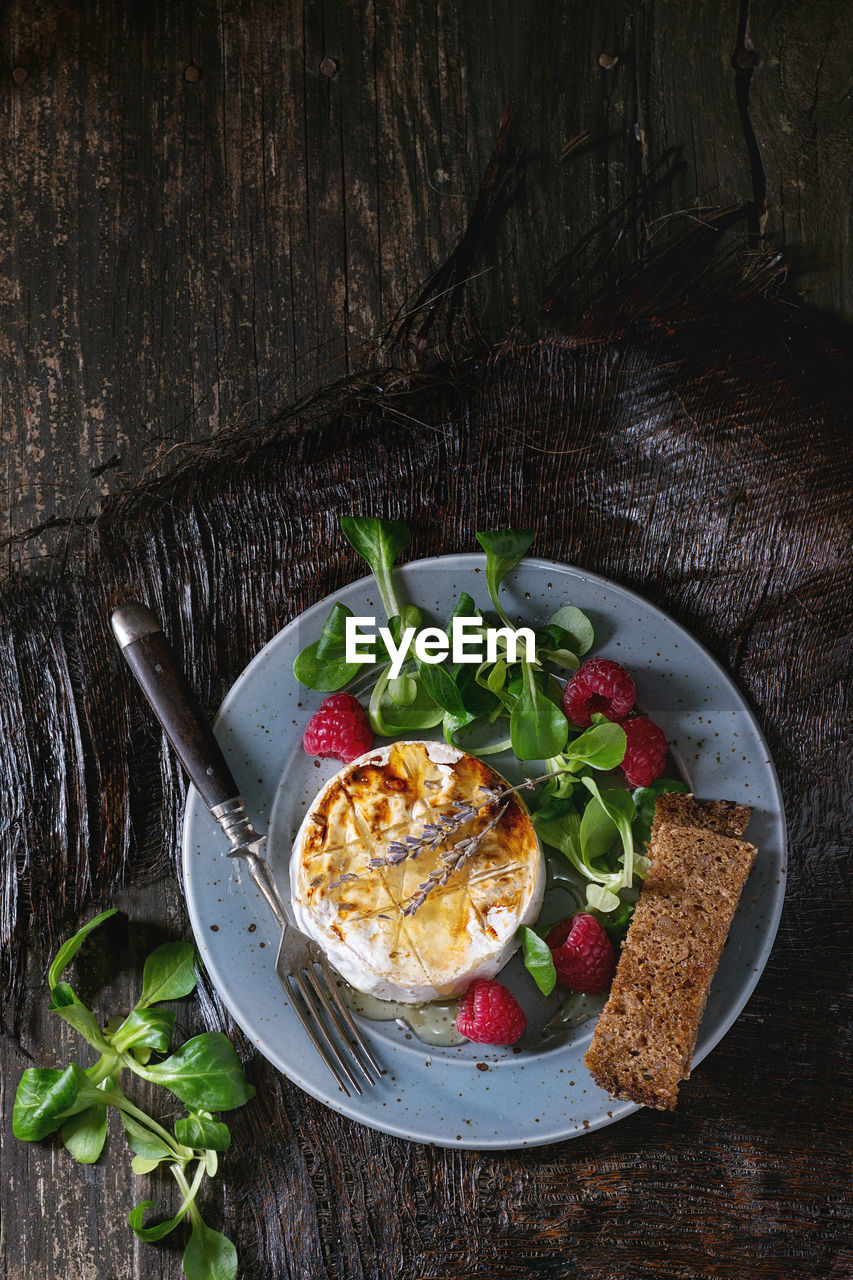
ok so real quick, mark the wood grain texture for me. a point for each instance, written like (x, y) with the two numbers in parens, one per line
(210, 210)
(181, 253)
(647, 455)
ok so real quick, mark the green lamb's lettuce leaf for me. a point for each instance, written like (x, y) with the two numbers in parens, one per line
(69, 949)
(46, 1096)
(598, 898)
(558, 824)
(169, 973)
(465, 607)
(538, 960)
(557, 646)
(595, 836)
(456, 690)
(402, 690)
(388, 719)
(496, 677)
(442, 688)
(598, 832)
(379, 542)
(159, 1229)
(149, 1028)
(601, 747)
(64, 1002)
(578, 626)
(618, 805)
(200, 1130)
(205, 1073)
(537, 727)
(559, 786)
(644, 802)
(84, 1134)
(559, 658)
(323, 665)
(143, 1142)
(504, 549)
(209, 1255)
(137, 1214)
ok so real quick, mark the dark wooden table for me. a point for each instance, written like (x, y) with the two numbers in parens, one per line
(209, 210)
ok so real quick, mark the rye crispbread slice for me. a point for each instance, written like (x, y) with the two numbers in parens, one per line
(680, 810)
(643, 1042)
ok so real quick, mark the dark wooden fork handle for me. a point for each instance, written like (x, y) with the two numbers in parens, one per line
(154, 664)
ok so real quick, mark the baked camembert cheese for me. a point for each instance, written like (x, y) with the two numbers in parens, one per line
(462, 930)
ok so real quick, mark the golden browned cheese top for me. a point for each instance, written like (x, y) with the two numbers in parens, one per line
(382, 801)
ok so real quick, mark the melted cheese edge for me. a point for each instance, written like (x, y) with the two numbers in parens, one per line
(464, 930)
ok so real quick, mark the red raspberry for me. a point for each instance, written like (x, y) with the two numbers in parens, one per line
(583, 954)
(645, 754)
(339, 729)
(489, 1014)
(598, 685)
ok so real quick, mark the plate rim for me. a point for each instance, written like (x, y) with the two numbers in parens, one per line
(618, 1109)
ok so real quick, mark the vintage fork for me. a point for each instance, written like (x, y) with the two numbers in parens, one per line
(314, 997)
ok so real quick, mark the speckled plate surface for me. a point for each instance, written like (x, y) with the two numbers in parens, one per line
(473, 1096)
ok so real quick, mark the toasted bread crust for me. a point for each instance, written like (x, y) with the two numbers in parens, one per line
(644, 1040)
(723, 816)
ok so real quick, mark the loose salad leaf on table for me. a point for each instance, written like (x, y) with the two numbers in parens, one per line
(204, 1073)
(601, 830)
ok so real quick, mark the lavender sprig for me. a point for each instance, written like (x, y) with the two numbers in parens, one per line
(433, 835)
(436, 833)
(452, 860)
(447, 823)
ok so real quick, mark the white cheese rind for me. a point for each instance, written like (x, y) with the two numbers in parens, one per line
(439, 752)
(360, 949)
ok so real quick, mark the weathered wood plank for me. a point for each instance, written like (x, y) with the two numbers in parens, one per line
(802, 107)
(182, 252)
(658, 462)
(180, 249)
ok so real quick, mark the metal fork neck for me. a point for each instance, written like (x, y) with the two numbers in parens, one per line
(246, 844)
(234, 821)
(259, 870)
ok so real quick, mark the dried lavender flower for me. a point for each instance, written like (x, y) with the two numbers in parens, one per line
(435, 833)
(342, 879)
(462, 851)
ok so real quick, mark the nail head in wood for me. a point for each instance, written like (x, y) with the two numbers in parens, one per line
(192, 73)
(20, 74)
(329, 67)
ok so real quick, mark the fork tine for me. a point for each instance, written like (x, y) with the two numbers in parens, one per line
(308, 1025)
(341, 1007)
(331, 1048)
(321, 1049)
(329, 1003)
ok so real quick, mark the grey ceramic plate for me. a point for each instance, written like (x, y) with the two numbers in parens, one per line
(473, 1096)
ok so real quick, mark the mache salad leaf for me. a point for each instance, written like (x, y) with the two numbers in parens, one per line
(204, 1073)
